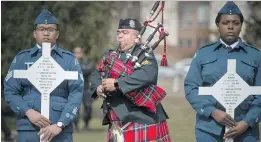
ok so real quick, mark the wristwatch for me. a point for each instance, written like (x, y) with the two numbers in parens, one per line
(116, 84)
(60, 125)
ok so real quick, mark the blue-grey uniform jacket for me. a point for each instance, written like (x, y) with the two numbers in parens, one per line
(65, 100)
(208, 66)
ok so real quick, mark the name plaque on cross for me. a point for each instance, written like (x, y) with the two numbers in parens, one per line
(46, 74)
(230, 90)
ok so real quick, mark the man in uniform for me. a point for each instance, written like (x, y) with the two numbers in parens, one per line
(208, 66)
(135, 123)
(25, 100)
(87, 68)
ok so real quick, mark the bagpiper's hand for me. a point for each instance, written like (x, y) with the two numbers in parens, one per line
(223, 118)
(49, 132)
(100, 91)
(37, 119)
(240, 128)
(108, 84)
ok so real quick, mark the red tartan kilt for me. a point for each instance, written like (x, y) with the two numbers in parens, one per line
(152, 133)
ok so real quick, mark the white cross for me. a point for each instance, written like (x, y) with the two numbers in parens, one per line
(46, 74)
(230, 90)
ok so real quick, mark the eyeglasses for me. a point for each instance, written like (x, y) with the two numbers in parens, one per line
(49, 29)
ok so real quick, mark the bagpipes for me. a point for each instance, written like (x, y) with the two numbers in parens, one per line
(111, 66)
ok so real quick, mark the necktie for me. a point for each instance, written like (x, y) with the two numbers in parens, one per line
(229, 48)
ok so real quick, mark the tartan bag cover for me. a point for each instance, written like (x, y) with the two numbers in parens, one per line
(147, 97)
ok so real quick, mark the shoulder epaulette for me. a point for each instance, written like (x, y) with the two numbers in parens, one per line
(26, 50)
(207, 45)
(250, 46)
(67, 52)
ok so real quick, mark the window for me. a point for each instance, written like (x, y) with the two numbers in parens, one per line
(203, 14)
(185, 43)
(185, 14)
(193, 20)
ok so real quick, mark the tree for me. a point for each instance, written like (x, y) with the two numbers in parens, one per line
(253, 28)
(81, 23)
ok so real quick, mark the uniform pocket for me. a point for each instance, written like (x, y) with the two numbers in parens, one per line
(209, 67)
(246, 69)
(210, 73)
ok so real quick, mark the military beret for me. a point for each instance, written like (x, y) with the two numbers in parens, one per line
(130, 24)
(45, 17)
(230, 8)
